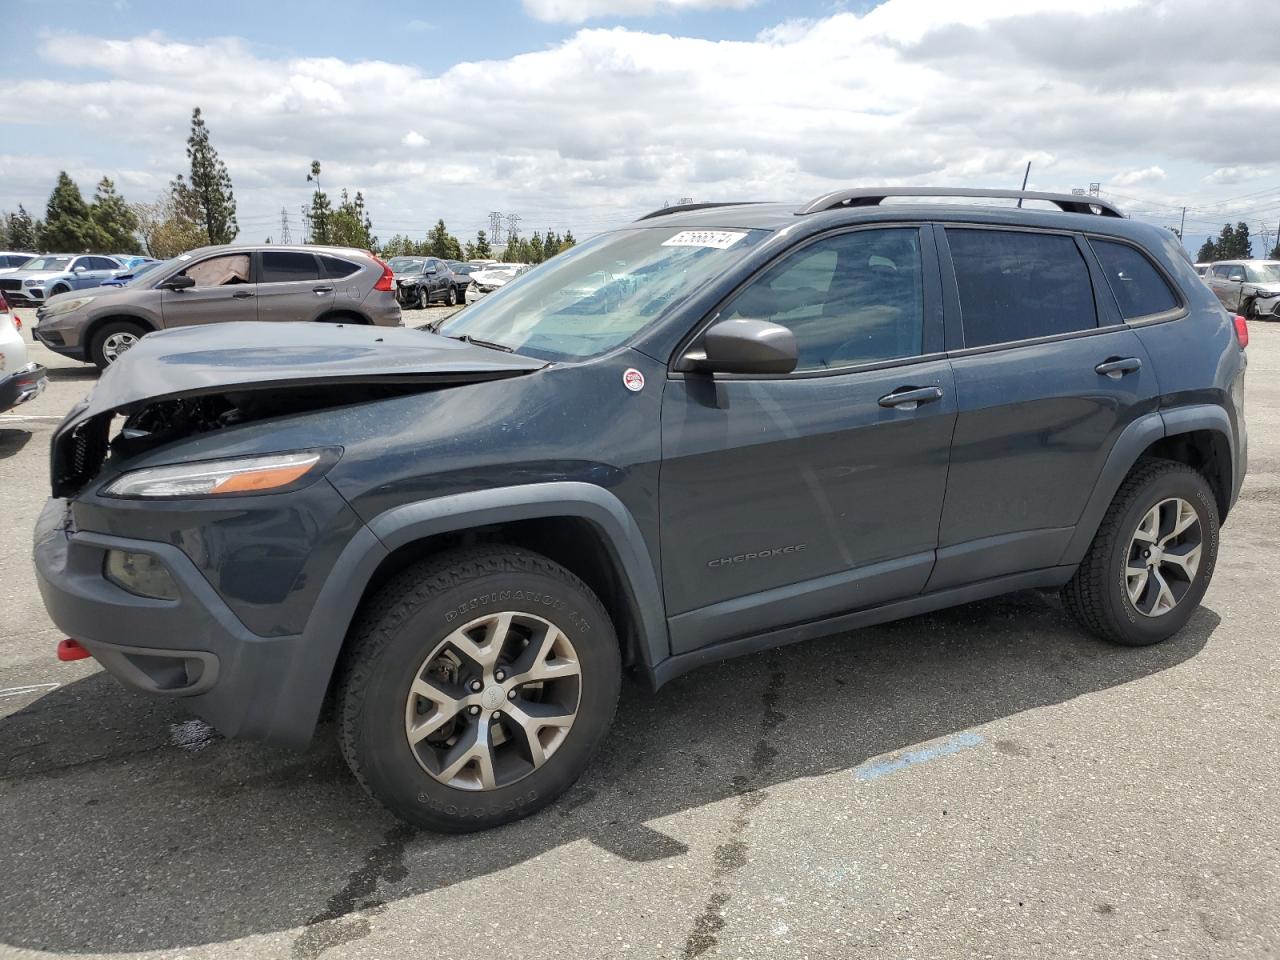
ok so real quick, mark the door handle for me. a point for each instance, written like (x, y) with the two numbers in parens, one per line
(908, 398)
(242, 295)
(319, 290)
(1117, 367)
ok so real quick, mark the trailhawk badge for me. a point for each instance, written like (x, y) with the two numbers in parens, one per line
(633, 380)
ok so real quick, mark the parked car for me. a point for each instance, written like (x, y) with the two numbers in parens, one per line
(799, 420)
(132, 273)
(133, 261)
(11, 260)
(216, 285)
(491, 278)
(48, 275)
(422, 281)
(20, 379)
(1202, 268)
(1248, 287)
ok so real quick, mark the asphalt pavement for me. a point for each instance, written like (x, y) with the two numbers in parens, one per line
(984, 782)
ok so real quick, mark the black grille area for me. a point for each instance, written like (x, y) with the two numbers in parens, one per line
(77, 455)
(10, 285)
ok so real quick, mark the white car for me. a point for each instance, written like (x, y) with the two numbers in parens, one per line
(11, 260)
(489, 279)
(19, 379)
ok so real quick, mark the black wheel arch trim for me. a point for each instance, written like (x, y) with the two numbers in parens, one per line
(335, 607)
(1130, 445)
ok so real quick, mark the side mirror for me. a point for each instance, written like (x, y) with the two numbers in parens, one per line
(1236, 278)
(744, 346)
(179, 282)
(80, 269)
(430, 271)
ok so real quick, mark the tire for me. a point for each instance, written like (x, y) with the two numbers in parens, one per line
(1099, 594)
(112, 339)
(407, 633)
(59, 290)
(424, 300)
(451, 296)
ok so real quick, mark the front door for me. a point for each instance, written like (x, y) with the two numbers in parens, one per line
(222, 292)
(790, 498)
(1044, 390)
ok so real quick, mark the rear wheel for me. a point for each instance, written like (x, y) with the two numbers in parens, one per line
(476, 688)
(451, 296)
(1151, 559)
(112, 340)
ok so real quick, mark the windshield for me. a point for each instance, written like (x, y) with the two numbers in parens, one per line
(1264, 272)
(597, 295)
(460, 268)
(405, 264)
(47, 263)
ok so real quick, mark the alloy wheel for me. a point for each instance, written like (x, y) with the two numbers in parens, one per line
(493, 701)
(1163, 557)
(116, 344)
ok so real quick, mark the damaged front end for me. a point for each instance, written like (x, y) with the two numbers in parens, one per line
(177, 384)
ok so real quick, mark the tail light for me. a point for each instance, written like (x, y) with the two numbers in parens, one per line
(385, 281)
(4, 312)
(1242, 331)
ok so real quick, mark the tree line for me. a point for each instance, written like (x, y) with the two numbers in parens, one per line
(1233, 243)
(199, 208)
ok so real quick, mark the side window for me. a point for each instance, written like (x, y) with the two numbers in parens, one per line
(1020, 285)
(283, 266)
(103, 263)
(853, 298)
(1138, 286)
(220, 271)
(336, 269)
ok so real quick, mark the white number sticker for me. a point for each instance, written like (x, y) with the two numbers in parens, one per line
(712, 239)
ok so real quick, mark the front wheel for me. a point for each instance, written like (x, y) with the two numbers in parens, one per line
(451, 296)
(112, 340)
(476, 688)
(424, 300)
(1151, 559)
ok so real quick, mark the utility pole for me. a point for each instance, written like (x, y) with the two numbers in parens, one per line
(1182, 223)
(284, 226)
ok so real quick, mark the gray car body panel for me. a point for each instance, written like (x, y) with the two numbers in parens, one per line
(668, 475)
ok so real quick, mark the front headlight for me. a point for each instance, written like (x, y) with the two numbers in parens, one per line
(32, 283)
(66, 306)
(236, 476)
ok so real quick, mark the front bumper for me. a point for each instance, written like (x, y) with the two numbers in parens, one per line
(54, 340)
(1266, 307)
(27, 384)
(193, 647)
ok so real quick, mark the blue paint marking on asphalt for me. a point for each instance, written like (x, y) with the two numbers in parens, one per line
(873, 771)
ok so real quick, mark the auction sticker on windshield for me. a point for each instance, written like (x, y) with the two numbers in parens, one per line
(713, 239)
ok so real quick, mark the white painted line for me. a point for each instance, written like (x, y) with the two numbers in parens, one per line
(28, 689)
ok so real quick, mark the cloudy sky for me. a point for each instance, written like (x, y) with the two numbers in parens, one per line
(583, 113)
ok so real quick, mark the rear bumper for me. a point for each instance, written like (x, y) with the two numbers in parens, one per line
(193, 647)
(26, 384)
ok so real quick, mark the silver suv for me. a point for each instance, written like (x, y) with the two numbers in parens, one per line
(216, 285)
(1247, 287)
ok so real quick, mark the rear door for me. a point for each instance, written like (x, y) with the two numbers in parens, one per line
(793, 497)
(291, 286)
(222, 292)
(1047, 376)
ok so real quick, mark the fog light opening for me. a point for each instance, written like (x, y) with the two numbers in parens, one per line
(141, 574)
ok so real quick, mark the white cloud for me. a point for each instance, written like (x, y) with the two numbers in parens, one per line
(1240, 174)
(576, 11)
(610, 122)
(1145, 175)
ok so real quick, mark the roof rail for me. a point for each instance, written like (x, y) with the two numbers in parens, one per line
(871, 196)
(682, 207)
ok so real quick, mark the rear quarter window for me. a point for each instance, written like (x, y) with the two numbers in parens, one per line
(1137, 285)
(1018, 285)
(336, 268)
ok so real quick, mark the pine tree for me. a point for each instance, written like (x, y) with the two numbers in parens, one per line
(567, 240)
(441, 243)
(535, 247)
(21, 230)
(116, 222)
(1275, 253)
(550, 245)
(349, 225)
(1208, 251)
(1243, 249)
(211, 184)
(68, 225)
(482, 249)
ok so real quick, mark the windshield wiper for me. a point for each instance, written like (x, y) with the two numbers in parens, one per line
(476, 341)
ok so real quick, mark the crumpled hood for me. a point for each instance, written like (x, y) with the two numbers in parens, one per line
(206, 359)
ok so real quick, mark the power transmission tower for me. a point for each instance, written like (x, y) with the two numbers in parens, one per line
(513, 226)
(495, 226)
(284, 226)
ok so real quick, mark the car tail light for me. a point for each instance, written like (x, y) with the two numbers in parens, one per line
(385, 281)
(1242, 331)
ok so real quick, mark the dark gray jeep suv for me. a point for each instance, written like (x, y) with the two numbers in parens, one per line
(718, 429)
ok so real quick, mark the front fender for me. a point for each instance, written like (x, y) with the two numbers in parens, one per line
(305, 687)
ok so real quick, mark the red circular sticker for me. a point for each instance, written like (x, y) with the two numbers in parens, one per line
(633, 380)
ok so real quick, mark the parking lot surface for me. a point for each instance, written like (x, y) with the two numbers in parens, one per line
(984, 782)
